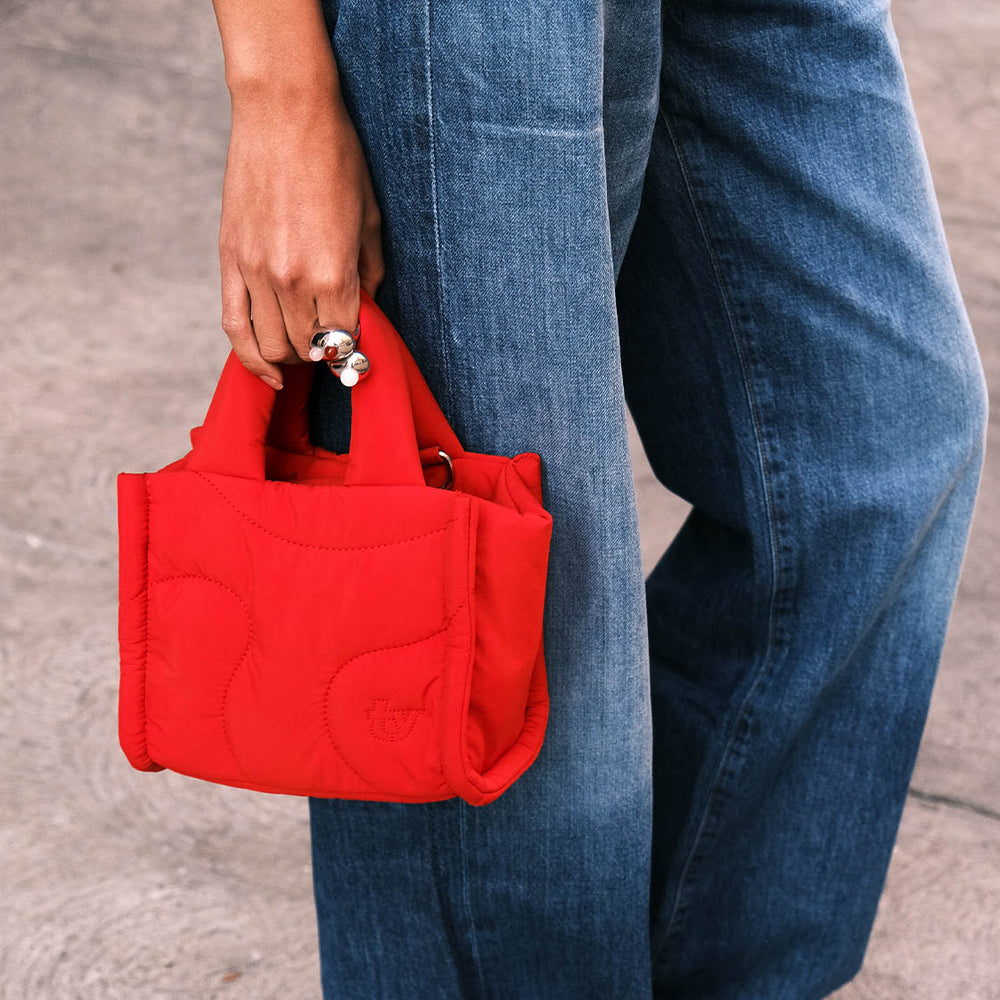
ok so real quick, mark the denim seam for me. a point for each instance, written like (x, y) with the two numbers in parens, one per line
(741, 724)
(443, 355)
(467, 898)
(435, 214)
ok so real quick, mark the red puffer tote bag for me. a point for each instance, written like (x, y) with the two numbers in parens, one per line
(362, 626)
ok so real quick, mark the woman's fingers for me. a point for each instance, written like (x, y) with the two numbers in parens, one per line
(296, 299)
(236, 323)
(268, 321)
(338, 304)
(300, 229)
(271, 319)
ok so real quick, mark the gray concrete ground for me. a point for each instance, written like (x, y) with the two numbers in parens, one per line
(123, 885)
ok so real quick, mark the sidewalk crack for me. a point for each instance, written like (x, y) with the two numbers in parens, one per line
(949, 800)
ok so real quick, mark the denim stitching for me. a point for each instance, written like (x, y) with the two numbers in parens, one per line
(741, 726)
(445, 381)
(432, 160)
(467, 895)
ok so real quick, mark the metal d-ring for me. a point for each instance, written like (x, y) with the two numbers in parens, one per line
(447, 485)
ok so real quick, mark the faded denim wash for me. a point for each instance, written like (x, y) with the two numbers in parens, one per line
(720, 214)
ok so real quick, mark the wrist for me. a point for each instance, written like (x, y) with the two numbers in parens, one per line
(278, 56)
(261, 87)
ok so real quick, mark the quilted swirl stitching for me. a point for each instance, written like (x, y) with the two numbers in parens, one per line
(232, 675)
(313, 545)
(368, 652)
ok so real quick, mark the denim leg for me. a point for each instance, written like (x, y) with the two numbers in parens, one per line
(801, 369)
(483, 124)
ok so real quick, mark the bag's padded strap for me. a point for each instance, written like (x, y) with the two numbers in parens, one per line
(393, 413)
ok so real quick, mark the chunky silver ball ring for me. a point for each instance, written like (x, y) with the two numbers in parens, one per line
(351, 369)
(332, 344)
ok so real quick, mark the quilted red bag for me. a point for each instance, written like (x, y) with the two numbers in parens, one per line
(364, 625)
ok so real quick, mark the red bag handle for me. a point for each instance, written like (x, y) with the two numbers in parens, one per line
(393, 414)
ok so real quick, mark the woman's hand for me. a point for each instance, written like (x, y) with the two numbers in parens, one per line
(300, 228)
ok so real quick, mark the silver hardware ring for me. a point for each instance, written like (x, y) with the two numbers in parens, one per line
(447, 485)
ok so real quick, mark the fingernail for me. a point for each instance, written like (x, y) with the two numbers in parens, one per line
(272, 382)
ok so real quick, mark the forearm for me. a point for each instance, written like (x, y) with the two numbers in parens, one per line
(300, 228)
(275, 51)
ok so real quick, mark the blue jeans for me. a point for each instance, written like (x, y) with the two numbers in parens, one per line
(719, 214)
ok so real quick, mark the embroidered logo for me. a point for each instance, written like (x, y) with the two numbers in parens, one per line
(392, 724)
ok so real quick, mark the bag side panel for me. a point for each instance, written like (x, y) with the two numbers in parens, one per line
(501, 718)
(133, 596)
(510, 576)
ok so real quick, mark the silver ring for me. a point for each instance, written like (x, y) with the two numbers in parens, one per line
(322, 340)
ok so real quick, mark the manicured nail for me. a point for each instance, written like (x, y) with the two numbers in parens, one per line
(272, 382)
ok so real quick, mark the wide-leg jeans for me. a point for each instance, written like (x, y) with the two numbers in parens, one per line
(718, 214)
